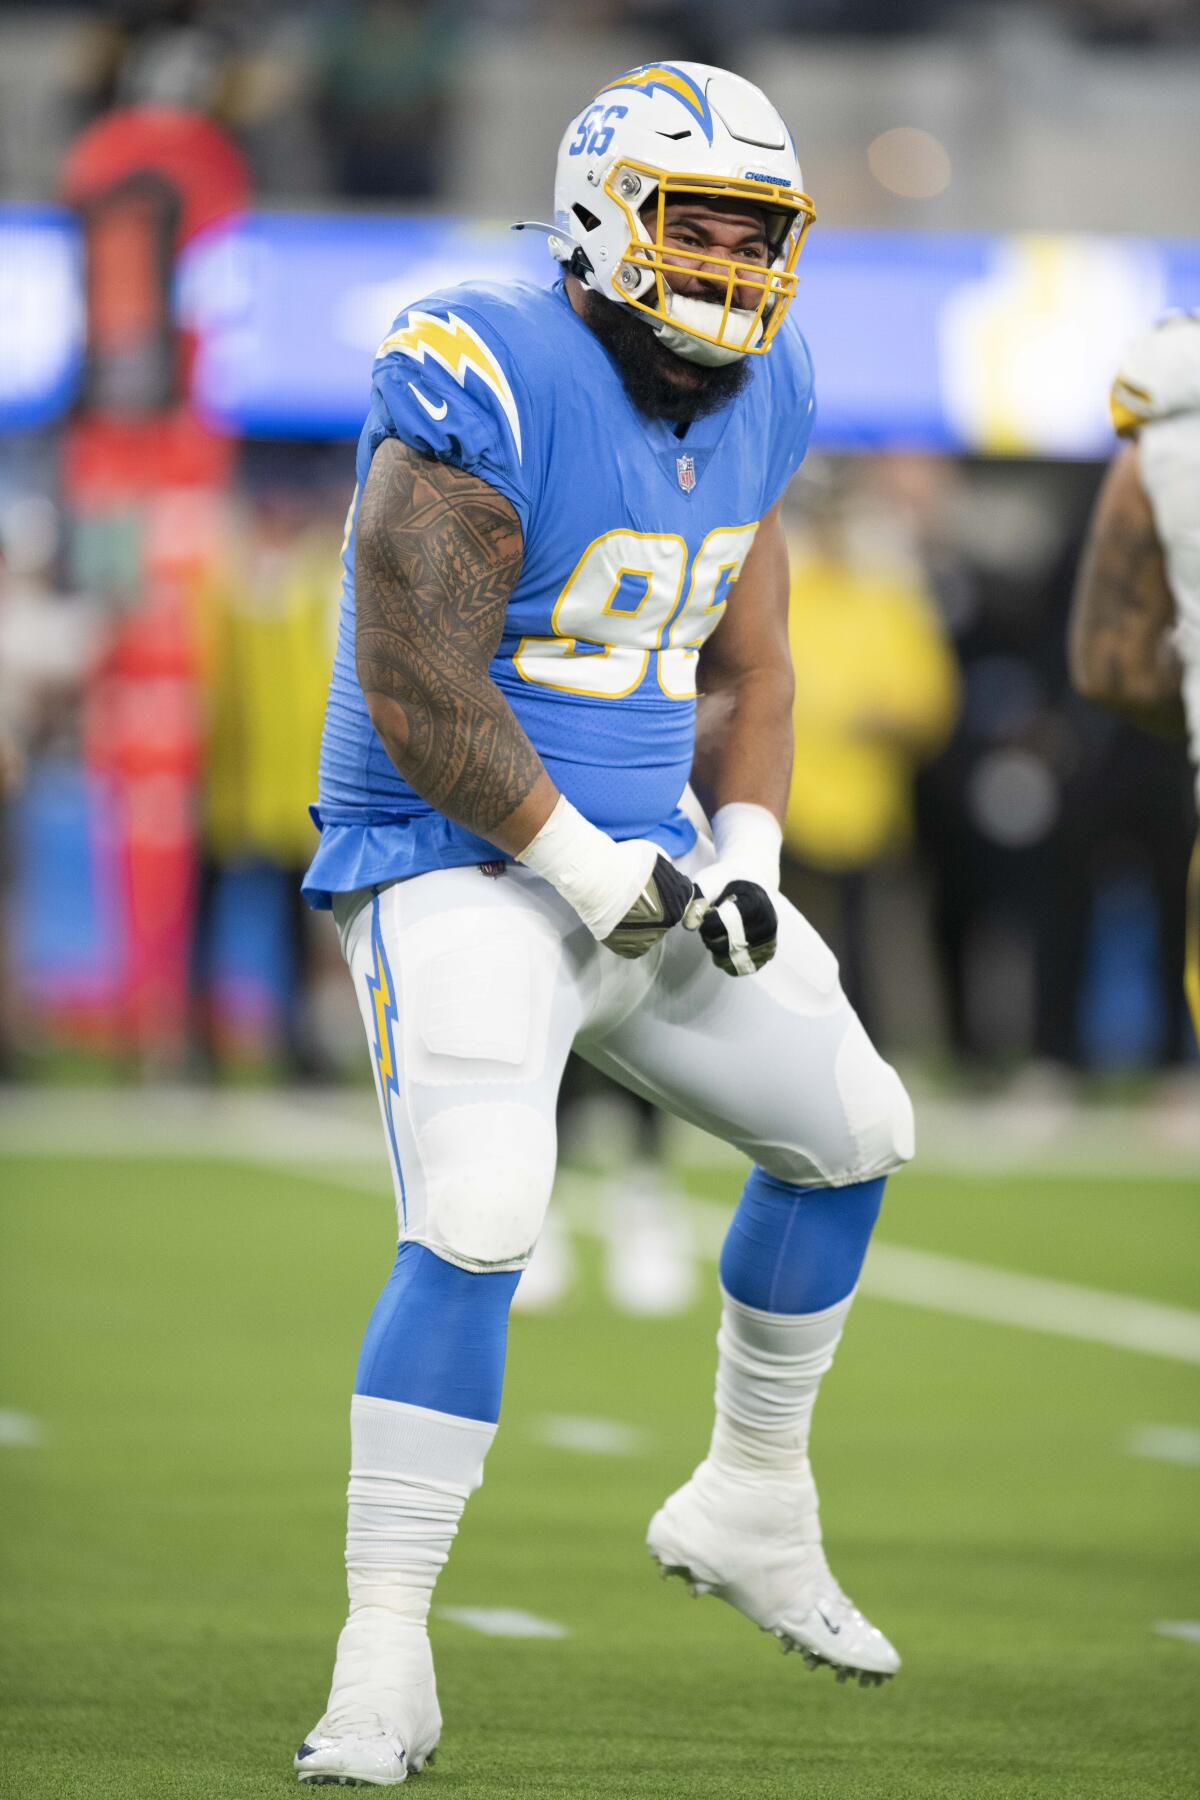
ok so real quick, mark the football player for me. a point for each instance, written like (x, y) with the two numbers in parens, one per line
(1135, 618)
(566, 518)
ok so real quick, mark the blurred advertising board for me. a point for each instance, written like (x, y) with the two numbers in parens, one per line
(41, 314)
(999, 345)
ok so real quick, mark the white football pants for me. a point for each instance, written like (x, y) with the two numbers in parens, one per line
(475, 987)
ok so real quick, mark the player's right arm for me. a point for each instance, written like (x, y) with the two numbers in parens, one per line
(1121, 651)
(437, 555)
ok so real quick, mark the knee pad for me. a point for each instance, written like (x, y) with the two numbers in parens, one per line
(488, 1171)
(878, 1110)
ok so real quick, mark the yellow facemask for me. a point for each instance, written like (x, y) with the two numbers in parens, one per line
(745, 332)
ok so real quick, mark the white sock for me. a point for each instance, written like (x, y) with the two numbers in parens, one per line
(769, 1367)
(412, 1471)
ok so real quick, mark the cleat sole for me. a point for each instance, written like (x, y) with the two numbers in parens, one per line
(843, 1671)
(813, 1659)
(357, 1781)
(334, 1781)
(354, 1781)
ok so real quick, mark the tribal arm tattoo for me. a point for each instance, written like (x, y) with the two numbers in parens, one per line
(1121, 653)
(437, 554)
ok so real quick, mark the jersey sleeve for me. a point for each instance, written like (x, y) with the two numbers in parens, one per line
(445, 385)
(793, 412)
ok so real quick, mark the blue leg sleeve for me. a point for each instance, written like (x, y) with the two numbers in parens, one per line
(437, 1337)
(797, 1249)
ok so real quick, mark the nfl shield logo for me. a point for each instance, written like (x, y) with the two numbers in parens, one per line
(685, 468)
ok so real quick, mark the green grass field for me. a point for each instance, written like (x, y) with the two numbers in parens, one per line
(185, 1333)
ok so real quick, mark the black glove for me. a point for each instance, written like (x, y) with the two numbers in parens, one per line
(660, 905)
(739, 928)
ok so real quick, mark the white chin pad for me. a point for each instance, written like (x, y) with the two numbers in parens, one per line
(705, 315)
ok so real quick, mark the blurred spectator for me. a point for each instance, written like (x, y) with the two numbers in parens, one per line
(250, 71)
(385, 88)
(163, 52)
(876, 695)
(704, 27)
(1035, 808)
(1130, 22)
(47, 641)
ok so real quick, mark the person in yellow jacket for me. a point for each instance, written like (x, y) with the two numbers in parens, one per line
(877, 693)
(266, 624)
(269, 640)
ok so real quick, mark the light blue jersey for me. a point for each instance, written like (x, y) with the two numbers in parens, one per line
(633, 541)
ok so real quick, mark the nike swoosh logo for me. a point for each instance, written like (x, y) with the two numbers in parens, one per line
(435, 412)
(834, 1628)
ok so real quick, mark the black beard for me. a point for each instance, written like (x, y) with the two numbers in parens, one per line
(661, 384)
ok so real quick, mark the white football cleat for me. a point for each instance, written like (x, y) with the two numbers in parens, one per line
(354, 1756)
(755, 1541)
(383, 1720)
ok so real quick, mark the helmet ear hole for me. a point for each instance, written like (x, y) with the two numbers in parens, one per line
(587, 219)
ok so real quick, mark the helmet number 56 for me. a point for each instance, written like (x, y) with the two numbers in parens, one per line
(595, 132)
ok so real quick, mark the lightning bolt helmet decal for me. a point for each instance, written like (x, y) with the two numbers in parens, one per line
(665, 78)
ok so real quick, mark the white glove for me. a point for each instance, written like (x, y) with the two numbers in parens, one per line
(627, 894)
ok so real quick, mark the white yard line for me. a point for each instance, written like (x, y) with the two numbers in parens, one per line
(1166, 1443)
(589, 1437)
(191, 1123)
(502, 1621)
(334, 1138)
(975, 1291)
(968, 1290)
(20, 1431)
(1187, 1629)
(1051, 1135)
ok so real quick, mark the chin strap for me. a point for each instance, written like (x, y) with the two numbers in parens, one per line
(704, 315)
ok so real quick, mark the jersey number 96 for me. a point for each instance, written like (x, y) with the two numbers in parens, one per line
(625, 603)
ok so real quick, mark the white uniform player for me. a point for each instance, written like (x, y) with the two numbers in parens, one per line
(1136, 620)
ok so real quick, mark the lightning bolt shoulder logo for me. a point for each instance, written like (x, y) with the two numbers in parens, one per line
(664, 78)
(382, 990)
(460, 350)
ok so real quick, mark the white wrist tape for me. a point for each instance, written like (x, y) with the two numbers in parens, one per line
(596, 875)
(749, 839)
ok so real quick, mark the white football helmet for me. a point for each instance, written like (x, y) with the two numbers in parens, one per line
(1159, 376)
(660, 132)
